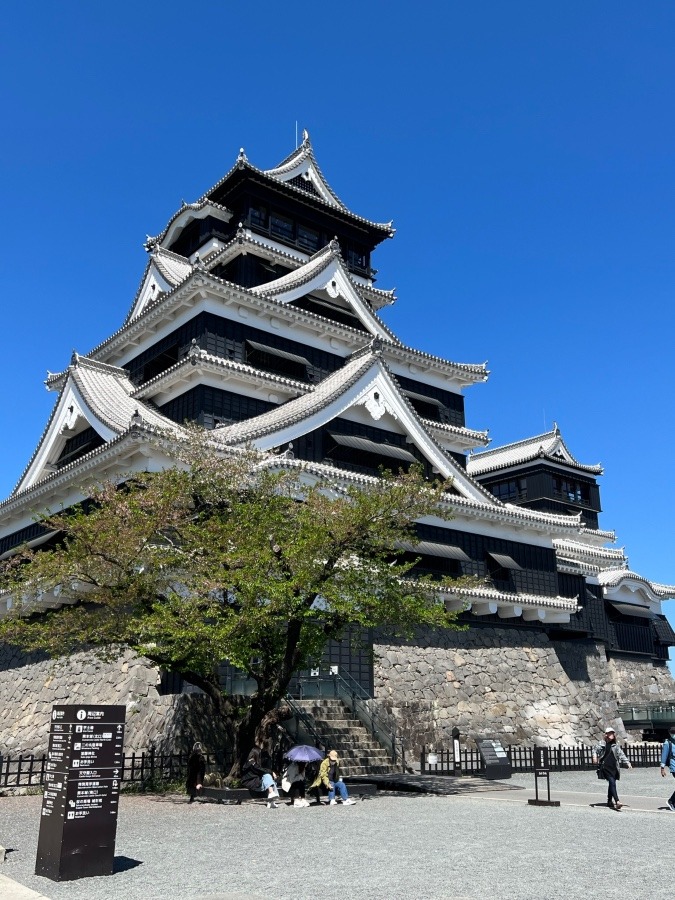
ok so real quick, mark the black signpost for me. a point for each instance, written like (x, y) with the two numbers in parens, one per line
(542, 769)
(495, 758)
(82, 780)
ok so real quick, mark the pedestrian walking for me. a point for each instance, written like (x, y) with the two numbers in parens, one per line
(259, 779)
(609, 758)
(196, 769)
(329, 778)
(668, 762)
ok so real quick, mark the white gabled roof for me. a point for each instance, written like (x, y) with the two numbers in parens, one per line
(620, 584)
(301, 163)
(365, 380)
(188, 211)
(325, 271)
(164, 271)
(246, 241)
(91, 394)
(549, 446)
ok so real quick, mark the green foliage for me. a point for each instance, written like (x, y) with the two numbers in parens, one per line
(226, 557)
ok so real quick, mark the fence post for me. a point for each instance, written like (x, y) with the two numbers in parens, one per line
(423, 756)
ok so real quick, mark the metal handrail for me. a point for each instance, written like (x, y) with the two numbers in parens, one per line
(302, 717)
(362, 706)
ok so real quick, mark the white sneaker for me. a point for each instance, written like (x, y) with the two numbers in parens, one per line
(348, 802)
(332, 802)
(305, 802)
(272, 805)
(671, 805)
(299, 803)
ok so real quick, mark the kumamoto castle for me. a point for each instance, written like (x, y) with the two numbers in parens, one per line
(258, 316)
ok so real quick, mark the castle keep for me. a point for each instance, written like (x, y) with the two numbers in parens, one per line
(259, 317)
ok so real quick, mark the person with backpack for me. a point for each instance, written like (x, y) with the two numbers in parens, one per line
(668, 761)
(609, 758)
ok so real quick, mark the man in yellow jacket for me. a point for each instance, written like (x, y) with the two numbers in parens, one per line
(329, 777)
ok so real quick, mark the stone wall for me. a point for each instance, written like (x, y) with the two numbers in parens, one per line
(507, 682)
(30, 685)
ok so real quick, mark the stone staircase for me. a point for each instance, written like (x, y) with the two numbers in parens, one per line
(359, 752)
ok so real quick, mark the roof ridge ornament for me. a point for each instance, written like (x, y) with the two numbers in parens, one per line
(242, 159)
(305, 138)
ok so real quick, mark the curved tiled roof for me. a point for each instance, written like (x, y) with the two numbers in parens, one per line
(198, 206)
(298, 409)
(542, 445)
(610, 553)
(273, 174)
(171, 266)
(613, 577)
(174, 267)
(564, 604)
(305, 154)
(318, 263)
(218, 363)
(106, 391)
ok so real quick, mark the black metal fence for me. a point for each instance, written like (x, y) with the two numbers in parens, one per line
(561, 759)
(138, 768)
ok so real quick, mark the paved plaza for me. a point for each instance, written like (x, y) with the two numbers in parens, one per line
(394, 846)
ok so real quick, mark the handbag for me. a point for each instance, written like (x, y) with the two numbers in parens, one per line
(600, 773)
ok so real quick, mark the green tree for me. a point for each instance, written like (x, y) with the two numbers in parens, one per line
(241, 557)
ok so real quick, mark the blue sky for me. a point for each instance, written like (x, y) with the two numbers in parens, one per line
(525, 152)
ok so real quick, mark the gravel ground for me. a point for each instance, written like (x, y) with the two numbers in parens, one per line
(391, 847)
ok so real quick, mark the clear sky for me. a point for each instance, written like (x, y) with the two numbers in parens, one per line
(525, 151)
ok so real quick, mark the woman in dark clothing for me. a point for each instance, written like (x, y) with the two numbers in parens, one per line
(258, 779)
(609, 758)
(196, 769)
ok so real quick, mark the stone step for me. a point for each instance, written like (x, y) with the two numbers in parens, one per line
(359, 751)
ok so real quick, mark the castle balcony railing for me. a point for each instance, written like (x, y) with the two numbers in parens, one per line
(648, 716)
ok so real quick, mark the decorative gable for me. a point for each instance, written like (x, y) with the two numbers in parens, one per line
(326, 273)
(301, 170)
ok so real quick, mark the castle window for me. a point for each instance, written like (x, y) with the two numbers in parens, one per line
(572, 491)
(281, 226)
(258, 216)
(516, 489)
(308, 238)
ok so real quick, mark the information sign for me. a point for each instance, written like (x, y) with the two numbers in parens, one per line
(495, 758)
(83, 773)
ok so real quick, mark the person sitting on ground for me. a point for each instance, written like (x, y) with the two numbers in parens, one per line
(293, 782)
(329, 778)
(196, 769)
(668, 762)
(258, 779)
(609, 757)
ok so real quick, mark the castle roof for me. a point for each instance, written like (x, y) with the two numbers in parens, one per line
(300, 173)
(91, 394)
(549, 446)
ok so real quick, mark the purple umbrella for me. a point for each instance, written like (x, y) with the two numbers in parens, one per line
(304, 753)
